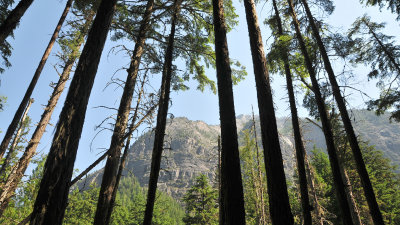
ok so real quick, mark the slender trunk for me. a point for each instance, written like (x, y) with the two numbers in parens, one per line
(161, 119)
(51, 200)
(126, 150)
(355, 213)
(231, 178)
(310, 179)
(14, 144)
(220, 198)
(117, 140)
(18, 171)
(300, 150)
(12, 20)
(360, 164)
(276, 181)
(263, 216)
(17, 117)
(326, 125)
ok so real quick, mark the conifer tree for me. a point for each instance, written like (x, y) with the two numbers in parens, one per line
(17, 116)
(368, 189)
(51, 201)
(231, 180)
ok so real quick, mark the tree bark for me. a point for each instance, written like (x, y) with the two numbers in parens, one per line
(18, 171)
(12, 20)
(360, 164)
(220, 198)
(117, 140)
(17, 117)
(326, 125)
(14, 145)
(51, 200)
(310, 179)
(231, 178)
(300, 150)
(161, 119)
(277, 189)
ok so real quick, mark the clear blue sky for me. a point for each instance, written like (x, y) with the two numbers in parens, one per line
(36, 27)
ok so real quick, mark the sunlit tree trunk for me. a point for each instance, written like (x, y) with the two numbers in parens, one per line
(360, 164)
(19, 169)
(12, 20)
(51, 200)
(17, 117)
(326, 125)
(298, 140)
(277, 189)
(231, 179)
(313, 192)
(14, 145)
(161, 119)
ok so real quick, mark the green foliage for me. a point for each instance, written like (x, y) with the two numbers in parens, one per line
(201, 203)
(5, 48)
(3, 100)
(392, 5)
(21, 204)
(380, 52)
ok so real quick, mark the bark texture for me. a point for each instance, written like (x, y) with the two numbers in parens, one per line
(161, 119)
(51, 200)
(12, 20)
(326, 125)
(117, 140)
(231, 178)
(17, 117)
(355, 147)
(277, 189)
(18, 171)
(298, 140)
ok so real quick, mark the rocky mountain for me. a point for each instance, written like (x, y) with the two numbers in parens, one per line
(191, 148)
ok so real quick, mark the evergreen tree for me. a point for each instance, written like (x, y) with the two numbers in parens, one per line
(201, 203)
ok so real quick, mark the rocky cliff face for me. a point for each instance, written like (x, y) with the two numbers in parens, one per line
(191, 148)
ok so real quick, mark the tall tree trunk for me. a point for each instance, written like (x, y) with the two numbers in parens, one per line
(310, 179)
(300, 150)
(126, 150)
(326, 125)
(355, 213)
(161, 119)
(276, 181)
(18, 171)
(17, 117)
(220, 198)
(263, 216)
(117, 140)
(51, 200)
(14, 144)
(12, 20)
(362, 171)
(231, 178)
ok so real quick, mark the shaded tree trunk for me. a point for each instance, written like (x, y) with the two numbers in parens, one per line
(161, 119)
(17, 117)
(277, 189)
(360, 164)
(14, 145)
(18, 171)
(300, 150)
(12, 20)
(326, 125)
(117, 140)
(51, 200)
(231, 178)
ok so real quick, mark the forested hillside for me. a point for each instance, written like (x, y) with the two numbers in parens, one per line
(89, 84)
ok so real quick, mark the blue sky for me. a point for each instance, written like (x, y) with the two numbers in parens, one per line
(36, 27)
